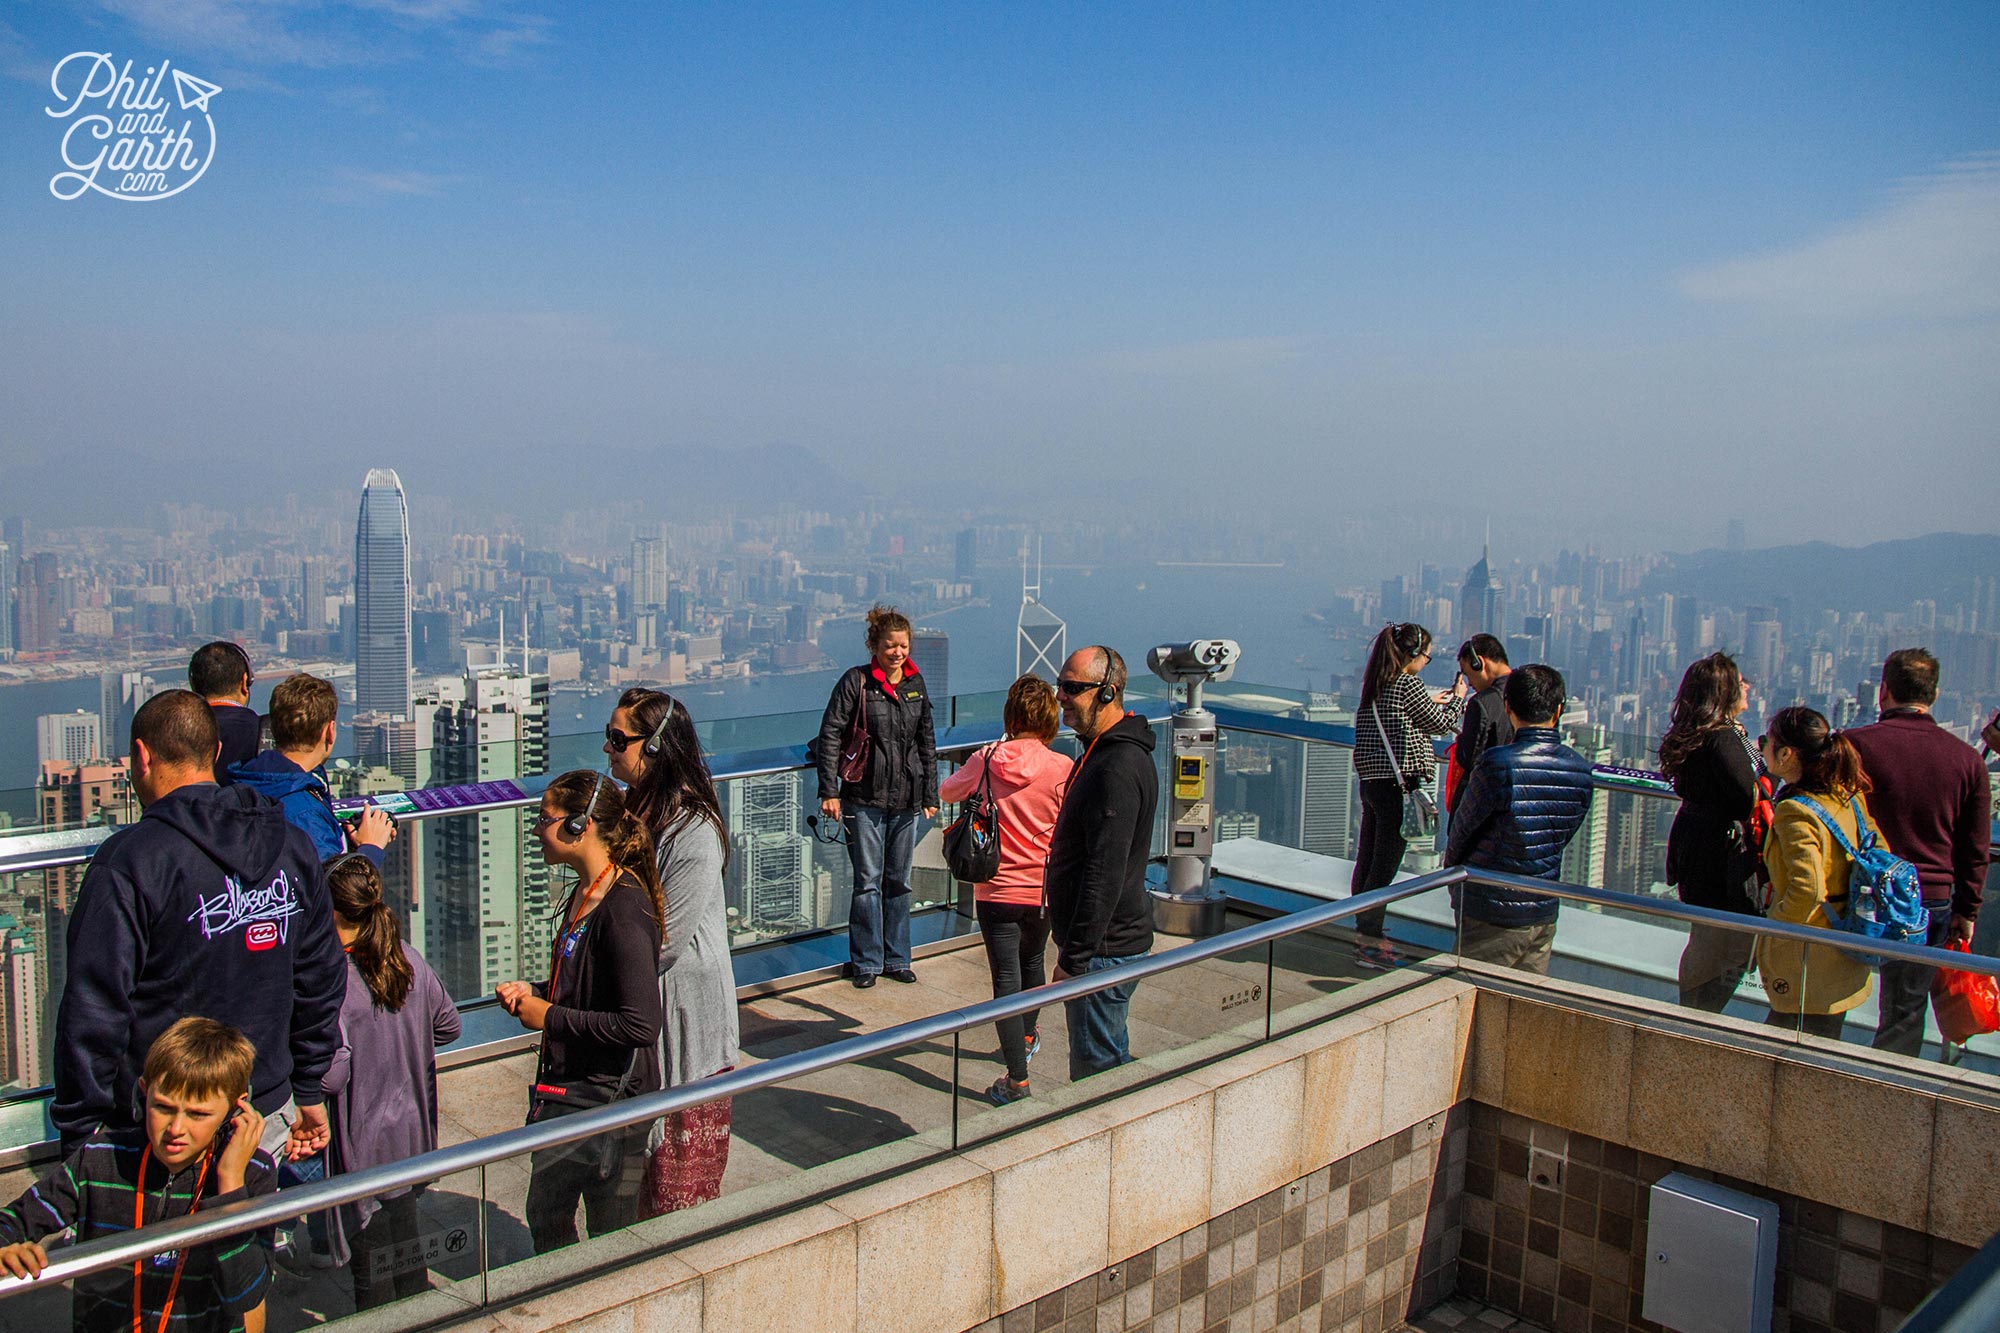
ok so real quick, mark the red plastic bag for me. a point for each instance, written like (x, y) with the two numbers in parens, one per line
(1967, 1003)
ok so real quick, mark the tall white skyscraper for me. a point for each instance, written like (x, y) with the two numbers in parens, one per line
(649, 574)
(69, 738)
(119, 695)
(382, 597)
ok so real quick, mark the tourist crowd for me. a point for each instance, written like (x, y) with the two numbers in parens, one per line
(241, 1012)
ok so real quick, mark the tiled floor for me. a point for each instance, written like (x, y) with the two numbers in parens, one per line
(1460, 1315)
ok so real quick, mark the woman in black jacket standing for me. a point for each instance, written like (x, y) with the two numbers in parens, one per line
(879, 809)
(1712, 850)
(599, 1011)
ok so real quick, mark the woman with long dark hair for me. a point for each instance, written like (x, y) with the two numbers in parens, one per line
(1811, 985)
(878, 810)
(1393, 726)
(652, 748)
(599, 1010)
(381, 1090)
(1712, 851)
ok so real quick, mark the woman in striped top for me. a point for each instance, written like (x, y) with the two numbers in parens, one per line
(1395, 707)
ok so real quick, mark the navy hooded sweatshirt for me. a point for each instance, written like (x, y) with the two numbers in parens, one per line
(308, 804)
(212, 904)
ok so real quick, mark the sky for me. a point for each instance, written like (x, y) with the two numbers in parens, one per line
(1624, 272)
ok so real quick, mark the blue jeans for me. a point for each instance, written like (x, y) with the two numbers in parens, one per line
(1097, 1038)
(880, 844)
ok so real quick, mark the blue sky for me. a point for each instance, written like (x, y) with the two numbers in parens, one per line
(1652, 258)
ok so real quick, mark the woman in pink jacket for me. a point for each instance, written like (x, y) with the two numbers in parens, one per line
(1028, 779)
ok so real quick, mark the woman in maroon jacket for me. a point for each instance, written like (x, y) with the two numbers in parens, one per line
(599, 1011)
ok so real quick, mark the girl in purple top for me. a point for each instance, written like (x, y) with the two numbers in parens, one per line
(381, 1091)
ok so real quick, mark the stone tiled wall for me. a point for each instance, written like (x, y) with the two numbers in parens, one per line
(1555, 1231)
(1353, 1246)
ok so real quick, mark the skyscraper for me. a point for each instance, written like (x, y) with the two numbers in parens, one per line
(38, 603)
(69, 738)
(965, 556)
(486, 909)
(930, 649)
(1479, 599)
(119, 695)
(382, 597)
(6, 602)
(1040, 637)
(312, 594)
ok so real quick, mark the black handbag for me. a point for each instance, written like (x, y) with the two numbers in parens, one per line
(972, 843)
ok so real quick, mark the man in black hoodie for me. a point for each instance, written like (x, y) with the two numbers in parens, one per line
(1099, 911)
(210, 905)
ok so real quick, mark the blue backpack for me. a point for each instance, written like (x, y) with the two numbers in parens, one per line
(1885, 900)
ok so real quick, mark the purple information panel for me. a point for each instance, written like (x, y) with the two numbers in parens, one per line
(428, 799)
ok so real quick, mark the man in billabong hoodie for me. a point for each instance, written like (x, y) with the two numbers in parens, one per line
(211, 905)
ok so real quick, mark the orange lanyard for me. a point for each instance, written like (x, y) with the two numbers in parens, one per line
(139, 1220)
(563, 942)
(1062, 796)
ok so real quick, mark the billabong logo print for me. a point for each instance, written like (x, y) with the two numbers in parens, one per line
(263, 915)
(122, 140)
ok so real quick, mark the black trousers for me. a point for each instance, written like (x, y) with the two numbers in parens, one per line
(396, 1223)
(604, 1173)
(1378, 853)
(1906, 993)
(1016, 938)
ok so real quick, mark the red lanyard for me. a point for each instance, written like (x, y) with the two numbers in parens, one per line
(139, 1220)
(563, 941)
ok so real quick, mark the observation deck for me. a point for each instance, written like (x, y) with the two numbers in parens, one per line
(1300, 1144)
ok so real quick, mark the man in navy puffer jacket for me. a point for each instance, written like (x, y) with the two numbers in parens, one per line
(1520, 807)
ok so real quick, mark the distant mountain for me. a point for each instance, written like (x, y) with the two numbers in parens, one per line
(1885, 576)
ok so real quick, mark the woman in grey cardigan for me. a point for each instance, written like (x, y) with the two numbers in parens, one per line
(653, 750)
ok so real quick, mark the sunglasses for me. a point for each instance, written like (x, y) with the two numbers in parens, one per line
(619, 741)
(1072, 688)
(543, 821)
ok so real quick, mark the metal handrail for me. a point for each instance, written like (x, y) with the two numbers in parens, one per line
(234, 1219)
(56, 848)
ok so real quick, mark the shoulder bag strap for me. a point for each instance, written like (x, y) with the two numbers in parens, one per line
(1832, 825)
(1375, 710)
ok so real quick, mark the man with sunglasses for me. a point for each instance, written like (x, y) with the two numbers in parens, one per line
(1099, 912)
(220, 673)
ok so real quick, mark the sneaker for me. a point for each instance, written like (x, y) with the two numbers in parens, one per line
(1006, 1091)
(1379, 957)
(1034, 1044)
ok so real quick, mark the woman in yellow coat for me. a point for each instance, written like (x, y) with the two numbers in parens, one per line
(1811, 986)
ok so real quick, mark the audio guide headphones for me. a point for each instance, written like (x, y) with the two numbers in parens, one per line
(576, 824)
(658, 740)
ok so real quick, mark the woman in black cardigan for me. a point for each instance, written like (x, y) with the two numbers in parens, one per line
(1712, 851)
(599, 1011)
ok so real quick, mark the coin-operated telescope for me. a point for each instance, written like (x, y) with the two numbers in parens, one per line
(1190, 904)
